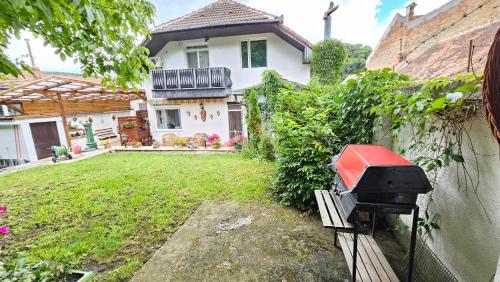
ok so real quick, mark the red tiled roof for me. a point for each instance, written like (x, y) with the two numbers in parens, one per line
(450, 57)
(222, 12)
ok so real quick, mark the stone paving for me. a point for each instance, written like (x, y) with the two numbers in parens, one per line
(247, 242)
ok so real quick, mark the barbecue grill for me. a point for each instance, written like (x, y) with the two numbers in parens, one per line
(372, 178)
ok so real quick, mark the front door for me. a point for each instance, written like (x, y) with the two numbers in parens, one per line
(44, 136)
(235, 120)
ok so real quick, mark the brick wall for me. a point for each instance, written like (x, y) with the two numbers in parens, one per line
(405, 35)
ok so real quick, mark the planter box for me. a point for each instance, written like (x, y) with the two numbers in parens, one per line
(80, 276)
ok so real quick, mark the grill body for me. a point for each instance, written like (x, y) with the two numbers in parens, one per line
(373, 178)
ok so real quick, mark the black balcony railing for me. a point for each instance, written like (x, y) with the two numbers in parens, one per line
(185, 79)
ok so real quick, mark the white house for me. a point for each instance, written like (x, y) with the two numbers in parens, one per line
(205, 59)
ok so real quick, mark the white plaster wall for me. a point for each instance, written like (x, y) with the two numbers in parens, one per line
(468, 243)
(7, 142)
(28, 150)
(190, 125)
(226, 52)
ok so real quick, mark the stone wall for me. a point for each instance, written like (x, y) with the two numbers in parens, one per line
(404, 34)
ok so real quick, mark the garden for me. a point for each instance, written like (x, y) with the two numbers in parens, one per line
(109, 213)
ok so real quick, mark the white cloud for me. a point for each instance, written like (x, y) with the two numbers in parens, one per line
(354, 22)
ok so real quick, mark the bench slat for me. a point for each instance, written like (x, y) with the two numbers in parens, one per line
(346, 242)
(325, 218)
(383, 261)
(382, 274)
(337, 222)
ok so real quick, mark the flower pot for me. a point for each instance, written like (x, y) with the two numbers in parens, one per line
(215, 146)
(156, 146)
(237, 146)
(80, 276)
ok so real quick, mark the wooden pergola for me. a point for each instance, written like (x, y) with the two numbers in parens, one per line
(61, 90)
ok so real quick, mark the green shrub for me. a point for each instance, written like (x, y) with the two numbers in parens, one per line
(314, 123)
(304, 140)
(266, 148)
(328, 59)
(254, 120)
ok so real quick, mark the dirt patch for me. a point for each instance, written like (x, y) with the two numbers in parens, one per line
(242, 242)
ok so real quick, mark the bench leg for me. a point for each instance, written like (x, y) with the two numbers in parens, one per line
(335, 238)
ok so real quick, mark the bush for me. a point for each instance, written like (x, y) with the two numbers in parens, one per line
(266, 148)
(328, 59)
(304, 141)
(314, 123)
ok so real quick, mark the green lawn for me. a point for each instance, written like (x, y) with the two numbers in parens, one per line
(113, 211)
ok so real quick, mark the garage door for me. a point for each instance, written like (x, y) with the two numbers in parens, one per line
(44, 136)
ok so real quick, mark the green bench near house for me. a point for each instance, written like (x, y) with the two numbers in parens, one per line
(371, 264)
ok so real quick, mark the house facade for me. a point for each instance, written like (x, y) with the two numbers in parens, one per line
(206, 59)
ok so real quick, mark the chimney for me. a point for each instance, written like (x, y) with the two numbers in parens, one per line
(328, 20)
(33, 66)
(410, 11)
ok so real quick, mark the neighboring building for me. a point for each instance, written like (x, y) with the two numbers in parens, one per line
(454, 38)
(451, 39)
(31, 119)
(206, 59)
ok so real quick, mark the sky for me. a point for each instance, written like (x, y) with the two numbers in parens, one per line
(356, 21)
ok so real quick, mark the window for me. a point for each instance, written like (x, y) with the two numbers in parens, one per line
(168, 119)
(253, 54)
(197, 57)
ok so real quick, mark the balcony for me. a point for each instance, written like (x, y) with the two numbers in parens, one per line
(192, 83)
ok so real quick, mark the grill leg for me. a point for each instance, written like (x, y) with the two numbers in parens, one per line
(355, 247)
(412, 243)
(373, 224)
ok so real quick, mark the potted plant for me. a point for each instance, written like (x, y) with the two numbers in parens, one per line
(180, 142)
(216, 144)
(20, 269)
(156, 144)
(136, 144)
(236, 142)
(106, 144)
(129, 124)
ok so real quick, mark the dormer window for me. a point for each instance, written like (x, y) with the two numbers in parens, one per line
(197, 57)
(254, 54)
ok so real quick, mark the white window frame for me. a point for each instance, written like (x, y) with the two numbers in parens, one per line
(249, 53)
(168, 108)
(196, 49)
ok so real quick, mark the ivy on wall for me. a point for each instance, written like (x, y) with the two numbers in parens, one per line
(327, 61)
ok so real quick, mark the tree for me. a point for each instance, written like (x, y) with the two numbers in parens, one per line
(356, 58)
(100, 34)
(328, 60)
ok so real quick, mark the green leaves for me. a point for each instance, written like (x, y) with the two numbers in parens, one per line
(100, 34)
(328, 59)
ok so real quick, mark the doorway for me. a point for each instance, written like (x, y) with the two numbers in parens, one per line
(235, 119)
(44, 136)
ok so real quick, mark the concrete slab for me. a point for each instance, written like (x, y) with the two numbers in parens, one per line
(247, 242)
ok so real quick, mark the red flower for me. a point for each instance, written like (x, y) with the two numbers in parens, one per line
(3, 208)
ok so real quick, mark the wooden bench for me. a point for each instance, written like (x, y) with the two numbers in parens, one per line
(105, 133)
(370, 263)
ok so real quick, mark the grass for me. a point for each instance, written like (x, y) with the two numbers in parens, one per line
(113, 211)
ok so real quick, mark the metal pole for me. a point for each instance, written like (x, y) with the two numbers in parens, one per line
(373, 225)
(412, 243)
(355, 247)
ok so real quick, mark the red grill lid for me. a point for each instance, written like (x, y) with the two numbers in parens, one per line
(355, 159)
